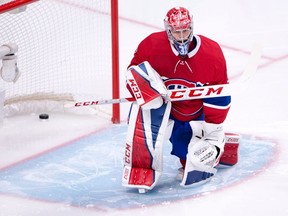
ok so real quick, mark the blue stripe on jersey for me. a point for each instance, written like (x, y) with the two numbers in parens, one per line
(218, 101)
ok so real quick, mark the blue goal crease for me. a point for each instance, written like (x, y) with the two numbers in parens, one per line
(88, 172)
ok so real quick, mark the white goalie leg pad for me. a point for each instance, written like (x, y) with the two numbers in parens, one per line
(147, 131)
(204, 151)
(146, 85)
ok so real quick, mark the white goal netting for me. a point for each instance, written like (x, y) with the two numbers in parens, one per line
(64, 53)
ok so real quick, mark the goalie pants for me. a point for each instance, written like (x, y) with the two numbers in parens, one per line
(181, 137)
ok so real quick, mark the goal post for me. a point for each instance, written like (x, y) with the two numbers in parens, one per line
(115, 60)
(10, 5)
(68, 50)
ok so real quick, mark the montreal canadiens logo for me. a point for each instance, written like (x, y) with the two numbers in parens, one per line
(173, 84)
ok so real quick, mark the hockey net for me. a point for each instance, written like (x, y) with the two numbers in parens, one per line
(64, 54)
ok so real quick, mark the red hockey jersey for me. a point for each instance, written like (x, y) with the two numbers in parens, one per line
(204, 65)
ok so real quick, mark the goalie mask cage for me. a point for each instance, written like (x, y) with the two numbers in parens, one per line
(67, 51)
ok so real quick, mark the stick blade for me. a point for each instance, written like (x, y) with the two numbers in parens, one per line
(253, 63)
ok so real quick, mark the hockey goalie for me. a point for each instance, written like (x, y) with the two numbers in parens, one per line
(176, 59)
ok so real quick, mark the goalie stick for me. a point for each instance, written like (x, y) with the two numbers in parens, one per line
(195, 92)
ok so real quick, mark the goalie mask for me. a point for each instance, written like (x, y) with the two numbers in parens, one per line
(179, 28)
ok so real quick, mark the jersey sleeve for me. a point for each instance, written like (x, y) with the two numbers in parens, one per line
(136, 60)
(140, 55)
(216, 109)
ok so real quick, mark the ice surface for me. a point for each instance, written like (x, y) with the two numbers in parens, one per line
(71, 165)
(87, 173)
